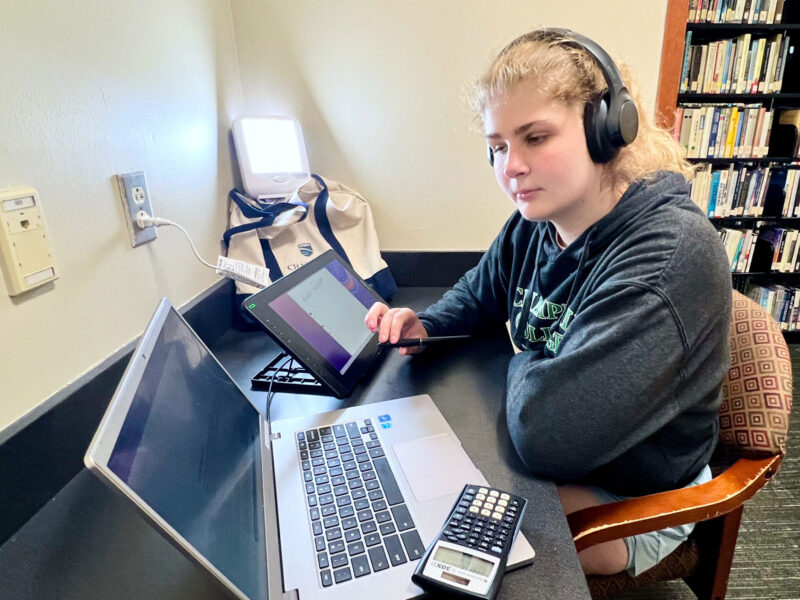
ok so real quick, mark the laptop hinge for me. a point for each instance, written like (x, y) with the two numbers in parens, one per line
(291, 595)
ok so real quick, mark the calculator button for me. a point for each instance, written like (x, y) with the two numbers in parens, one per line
(502, 502)
(497, 515)
(505, 497)
(497, 549)
(477, 503)
(480, 496)
(483, 490)
(494, 493)
(474, 509)
(500, 509)
(486, 513)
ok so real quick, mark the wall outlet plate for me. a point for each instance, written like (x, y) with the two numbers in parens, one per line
(135, 197)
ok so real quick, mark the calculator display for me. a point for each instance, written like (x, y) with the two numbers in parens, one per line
(461, 560)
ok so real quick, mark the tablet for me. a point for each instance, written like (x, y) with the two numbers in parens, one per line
(316, 313)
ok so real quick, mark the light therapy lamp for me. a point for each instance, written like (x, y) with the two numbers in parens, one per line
(272, 155)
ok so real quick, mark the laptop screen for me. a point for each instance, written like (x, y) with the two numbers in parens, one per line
(189, 446)
(327, 310)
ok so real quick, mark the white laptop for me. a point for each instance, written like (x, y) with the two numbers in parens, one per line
(336, 505)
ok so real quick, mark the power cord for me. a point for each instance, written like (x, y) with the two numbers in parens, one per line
(271, 394)
(246, 273)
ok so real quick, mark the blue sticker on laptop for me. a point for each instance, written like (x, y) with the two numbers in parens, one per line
(387, 425)
(384, 418)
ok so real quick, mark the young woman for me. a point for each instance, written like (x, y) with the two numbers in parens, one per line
(616, 287)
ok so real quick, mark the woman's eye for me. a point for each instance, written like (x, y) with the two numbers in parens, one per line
(498, 149)
(536, 139)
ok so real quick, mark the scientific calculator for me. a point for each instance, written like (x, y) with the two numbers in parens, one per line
(468, 558)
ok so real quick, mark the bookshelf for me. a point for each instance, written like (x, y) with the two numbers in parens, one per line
(729, 89)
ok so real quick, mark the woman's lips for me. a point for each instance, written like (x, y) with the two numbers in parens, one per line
(526, 193)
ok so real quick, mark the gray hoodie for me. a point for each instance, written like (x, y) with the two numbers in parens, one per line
(624, 339)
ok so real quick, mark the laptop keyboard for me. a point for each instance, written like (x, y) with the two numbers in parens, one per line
(359, 520)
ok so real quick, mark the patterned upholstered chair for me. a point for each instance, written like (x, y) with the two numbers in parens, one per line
(754, 422)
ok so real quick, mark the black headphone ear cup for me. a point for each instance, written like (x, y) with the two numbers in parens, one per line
(490, 154)
(595, 125)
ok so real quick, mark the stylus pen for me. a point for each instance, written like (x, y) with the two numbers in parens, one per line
(409, 342)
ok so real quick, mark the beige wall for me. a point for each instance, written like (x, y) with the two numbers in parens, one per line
(378, 86)
(89, 89)
(93, 88)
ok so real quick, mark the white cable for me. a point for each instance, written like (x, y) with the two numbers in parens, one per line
(144, 220)
(223, 267)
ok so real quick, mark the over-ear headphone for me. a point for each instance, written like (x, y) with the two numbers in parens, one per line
(610, 120)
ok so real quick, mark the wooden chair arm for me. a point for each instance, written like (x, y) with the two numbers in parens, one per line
(721, 495)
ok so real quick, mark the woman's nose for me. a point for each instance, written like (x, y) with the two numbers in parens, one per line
(516, 164)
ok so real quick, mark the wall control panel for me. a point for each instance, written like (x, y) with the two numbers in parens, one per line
(25, 251)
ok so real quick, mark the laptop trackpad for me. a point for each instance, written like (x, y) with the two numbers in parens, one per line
(435, 466)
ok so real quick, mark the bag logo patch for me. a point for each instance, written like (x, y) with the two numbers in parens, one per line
(305, 249)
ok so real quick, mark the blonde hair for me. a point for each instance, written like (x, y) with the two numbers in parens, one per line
(570, 75)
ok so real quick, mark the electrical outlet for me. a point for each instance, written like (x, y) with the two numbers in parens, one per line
(134, 196)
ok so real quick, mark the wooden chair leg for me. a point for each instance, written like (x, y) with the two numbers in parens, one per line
(710, 582)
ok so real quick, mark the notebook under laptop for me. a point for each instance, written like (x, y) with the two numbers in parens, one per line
(266, 517)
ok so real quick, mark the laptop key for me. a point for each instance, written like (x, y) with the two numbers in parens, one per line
(312, 435)
(347, 511)
(361, 504)
(333, 534)
(402, 517)
(379, 505)
(314, 512)
(338, 480)
(413, 544)
(355, 548)
(330, 521)
(342, 575)
(325, 499)
(336, 547)
(372, 539)
(359, 493)
(316, 527)
(378, 559)
(352, 430)
(322, 560)
(325, 488)
(390, 488)
(351, 535)
(383, 516)
(340, 490)
(364, 515)
(360, 566)
(387, 528)
(376, 452)
(349, 522)
(375, 495)
(325, 430)
(325, 577)
(369, 475)
(312, 500)
(343, 500)
(395, 550)
(339, 431)
(373, 485)
(319, 543)
(308, 476)
(368, 527)
(327, 511)
(339, 560)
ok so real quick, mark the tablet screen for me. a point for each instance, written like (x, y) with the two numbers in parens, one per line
(327, 310)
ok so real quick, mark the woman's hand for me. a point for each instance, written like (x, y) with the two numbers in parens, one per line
(393, 324)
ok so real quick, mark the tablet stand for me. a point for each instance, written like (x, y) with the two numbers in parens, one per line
(291, 377)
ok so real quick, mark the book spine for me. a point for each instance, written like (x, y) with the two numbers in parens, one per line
(685, 72)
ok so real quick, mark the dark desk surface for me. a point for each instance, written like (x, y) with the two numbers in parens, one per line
(88, 543)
